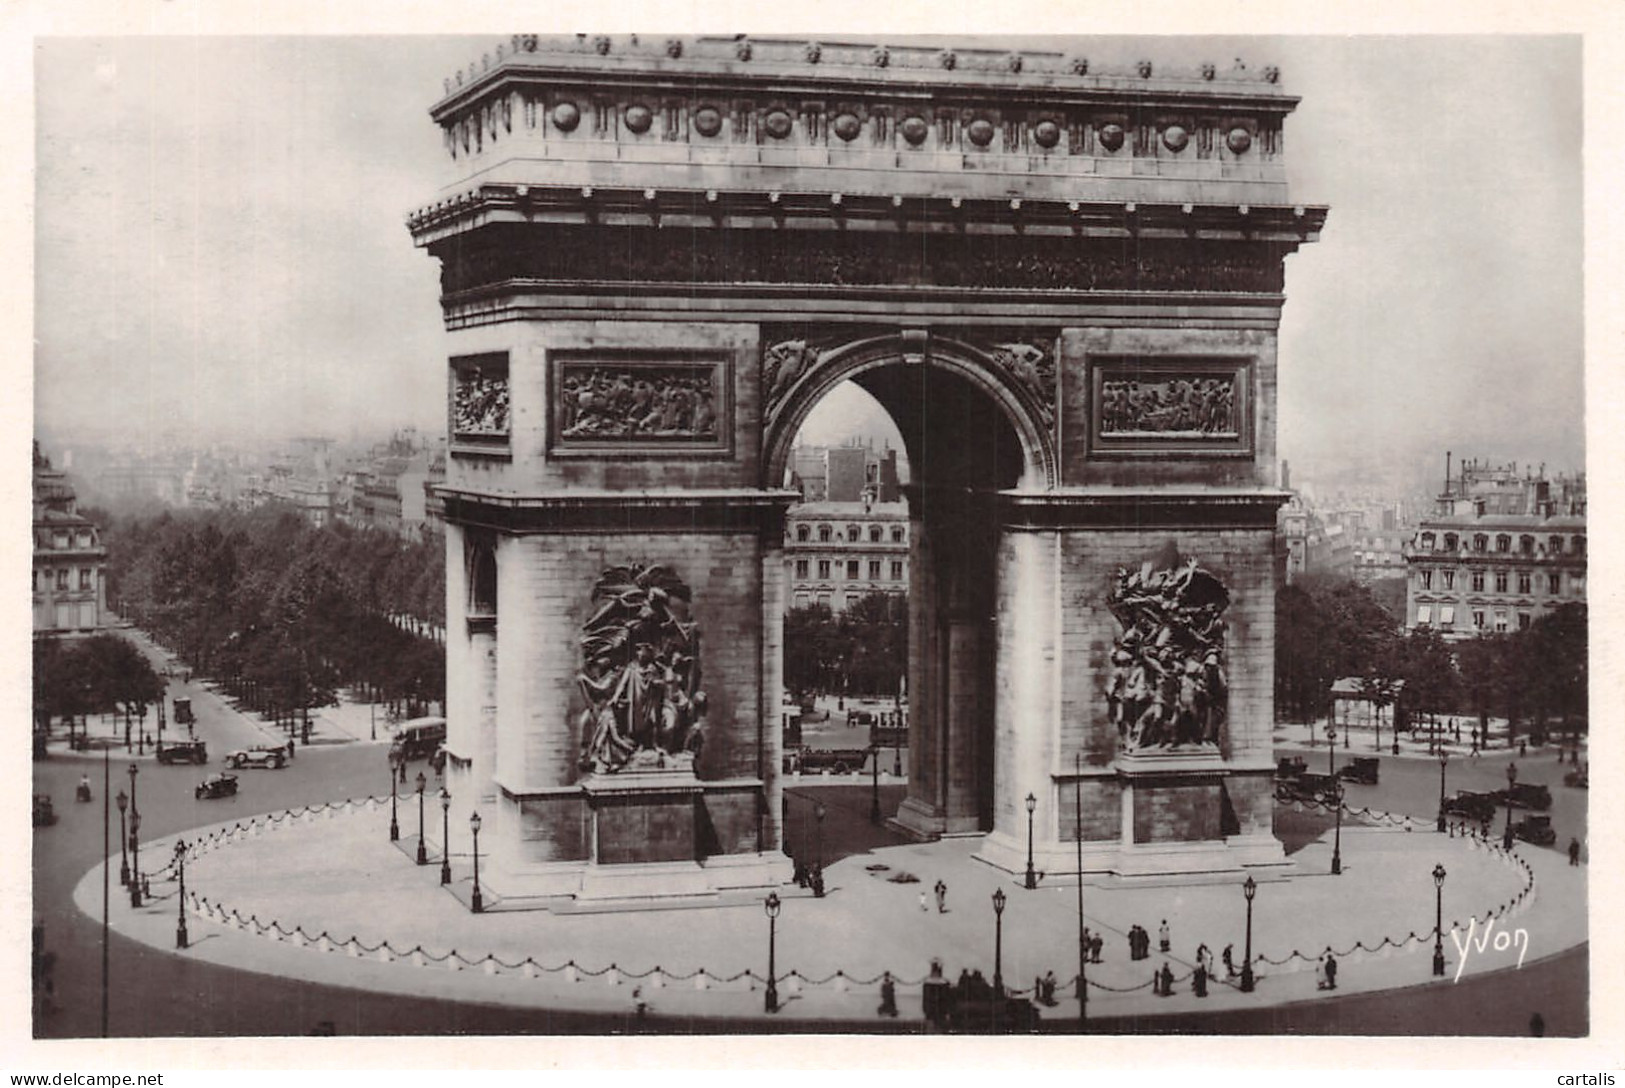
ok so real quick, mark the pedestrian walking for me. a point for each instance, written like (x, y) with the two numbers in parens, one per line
(1095, 946)
(1167, 980)
(1523, 748)
(924, 906)
(1199, 981)
(1162, 937)
(1574, 851)
(1048, 988)
(888, 996)
(1320, 974)
(1331, 971)
(942, 897)
(1229, 957)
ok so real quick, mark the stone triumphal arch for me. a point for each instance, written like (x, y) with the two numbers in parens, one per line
(1063, 282)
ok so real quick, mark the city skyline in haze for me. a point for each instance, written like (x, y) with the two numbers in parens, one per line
(220, 247)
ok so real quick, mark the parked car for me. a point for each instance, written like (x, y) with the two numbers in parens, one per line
(418, 739)
(1291, 768)
(183, 712)
(183, 751)
(1307, 787)
(1580, 778)
(860, 717)
(1535, 829)
(1473, 806)
(44, 813)
(1527, 795)
(834, 760)
(272, 758)
(1362, 769)
(216, 785)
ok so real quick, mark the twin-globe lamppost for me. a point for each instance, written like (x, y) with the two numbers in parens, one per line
(475, 903)
(394, 822)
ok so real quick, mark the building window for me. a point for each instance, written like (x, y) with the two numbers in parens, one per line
(1554, 545)
(801, 568)
(1577, 585)
(1524, 620)
(823, 569)
(897, 534)
(897, 570)
(803, 533)
(1424, 614)
(823, 599)
(1554, 584)
(823, 534)
(1579, 545)
(1449, 579)
(1480, 542)
(1501, 620)
(1478, 581)
(1447, 615)
(1427, 579)
(84, 577)
(62, 578)
(853, 534)
(802, 600)
(1450, 542)
(874, 570)
(1478, 618)
(1523, 581)
(1427, 542)
(852, 570)
(1526, 544)
(59, 541)
(875, 534)
(1503, 542)
(1500, 581)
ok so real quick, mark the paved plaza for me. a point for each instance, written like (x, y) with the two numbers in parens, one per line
(317, 896)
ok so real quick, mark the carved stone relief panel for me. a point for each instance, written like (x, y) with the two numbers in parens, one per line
(479, 403)
(1198, 406)
(1167, 684)
(604, 403)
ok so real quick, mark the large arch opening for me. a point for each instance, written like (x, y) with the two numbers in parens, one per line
(965, 438)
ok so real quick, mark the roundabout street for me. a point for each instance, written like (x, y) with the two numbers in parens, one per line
(157, 992)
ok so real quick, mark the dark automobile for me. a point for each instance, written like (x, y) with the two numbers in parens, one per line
(44, 813)
(1535, 829)
(1527, 795)
(216, 785)
(1580, 778)
(1307, 787)
(1362, 769)
(860, 717)
(1473, 806)
(1291, 768)
(183, 751)
(274, 758)
(183, 712)
(833, 760)
(418, 739)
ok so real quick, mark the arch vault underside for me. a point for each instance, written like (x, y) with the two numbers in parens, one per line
(649, 282)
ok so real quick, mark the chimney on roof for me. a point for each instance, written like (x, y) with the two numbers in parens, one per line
(1447, 473)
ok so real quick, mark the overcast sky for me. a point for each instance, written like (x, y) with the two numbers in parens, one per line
(220, 246)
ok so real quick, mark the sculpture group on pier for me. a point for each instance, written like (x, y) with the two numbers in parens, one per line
(1167, 680)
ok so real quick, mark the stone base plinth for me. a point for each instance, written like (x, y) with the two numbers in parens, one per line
(644, 816)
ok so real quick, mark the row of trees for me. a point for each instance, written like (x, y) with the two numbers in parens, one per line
(282, 612)
(862, 651)
(1328, 629)
(95, 675)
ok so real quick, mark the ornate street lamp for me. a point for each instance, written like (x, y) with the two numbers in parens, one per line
(476, 904)
(394, 824)
(180, 911)
(1512, 780)
(874, 782)
(1337, 840)
(135, 859)
(771, 905)
(423, 854)
(1444, 757)
(445, 836)
(1331, 748)
(1032, 877)
(998, 943)
(1438, 920)
(1077, 835)
(123, 842)
(1249, 890)
(818, 864)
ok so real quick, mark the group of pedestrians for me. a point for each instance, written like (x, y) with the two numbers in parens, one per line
(940, 889)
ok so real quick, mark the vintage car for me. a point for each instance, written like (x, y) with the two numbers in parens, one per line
(182, 751)
(1535, 829)
(1471, 805)
(1291, 768)
(418, 739)
(1527, 795)
(1580, 778)
(833, 760)
(273, 758)
(1307, 787)
(1361, 769)
(216, 785)
(44, 814)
